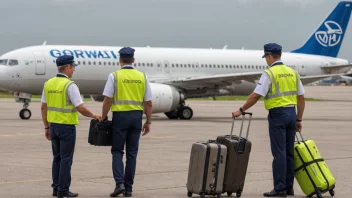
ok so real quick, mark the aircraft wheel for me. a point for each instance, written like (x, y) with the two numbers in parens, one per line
(185, 113)
(25, 114)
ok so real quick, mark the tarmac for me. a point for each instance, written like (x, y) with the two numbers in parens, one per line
(163, 159)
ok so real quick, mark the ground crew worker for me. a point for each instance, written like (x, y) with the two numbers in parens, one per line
(282, 89)
(61, 100)
(127, 93)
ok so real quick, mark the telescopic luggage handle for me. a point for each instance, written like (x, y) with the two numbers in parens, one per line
(302, 140)
(249, 124)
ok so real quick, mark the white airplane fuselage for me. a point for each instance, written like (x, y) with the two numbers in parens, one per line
(37, 64)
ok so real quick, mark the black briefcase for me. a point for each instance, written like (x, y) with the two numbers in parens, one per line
(100, 133)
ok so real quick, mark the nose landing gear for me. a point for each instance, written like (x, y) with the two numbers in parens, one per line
(25, 113)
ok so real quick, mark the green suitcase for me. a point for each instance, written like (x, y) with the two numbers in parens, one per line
(311, 171)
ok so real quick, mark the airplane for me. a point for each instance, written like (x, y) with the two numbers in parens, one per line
(176, 74)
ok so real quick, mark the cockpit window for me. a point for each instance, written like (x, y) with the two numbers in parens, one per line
(3, 61)
(13, 62)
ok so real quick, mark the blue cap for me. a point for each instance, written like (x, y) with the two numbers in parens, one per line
(272, 48)
(126, 52)
(64, 60)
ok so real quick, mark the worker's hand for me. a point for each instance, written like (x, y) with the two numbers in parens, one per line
(47, 134)
(236, 114)
(146, 129)
(97, 117)
(298, 126)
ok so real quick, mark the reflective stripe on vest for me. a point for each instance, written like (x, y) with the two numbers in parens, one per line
(117, 101)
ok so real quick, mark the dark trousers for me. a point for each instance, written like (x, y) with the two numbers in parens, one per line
(282, 129)
(127, 128)
(63, 140)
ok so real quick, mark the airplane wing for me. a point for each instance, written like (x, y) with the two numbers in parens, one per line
(334, 69)
(213, 80)
(309, 79)
(222, 80)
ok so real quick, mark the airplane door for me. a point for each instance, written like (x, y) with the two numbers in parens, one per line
(302, 70)
(39, 63)
(167, 66)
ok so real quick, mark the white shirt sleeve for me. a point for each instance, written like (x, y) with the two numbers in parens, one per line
(148, 92)
(43, 100)
(300, 89)
(263, 84)
(74, 95)
(109, 87)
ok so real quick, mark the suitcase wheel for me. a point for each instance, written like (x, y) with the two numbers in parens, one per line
(189, 194)
(238, 194)
(319, 194)
(332, 192)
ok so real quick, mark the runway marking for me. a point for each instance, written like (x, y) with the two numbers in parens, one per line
(163, 137)
(24, 181)
(20, 134)
(31, 181)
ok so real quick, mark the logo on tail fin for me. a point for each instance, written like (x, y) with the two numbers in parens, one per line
(332, 36)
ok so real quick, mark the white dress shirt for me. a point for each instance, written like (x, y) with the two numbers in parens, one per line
(264, 84)
(109, 89)
(72, 92)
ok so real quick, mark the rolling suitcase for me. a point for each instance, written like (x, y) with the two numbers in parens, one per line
(100, 133)
(311, 171)
(206, 169)
(238, 150)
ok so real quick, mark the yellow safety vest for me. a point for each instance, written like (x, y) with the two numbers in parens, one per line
(284, 83)
(130, 86)
(59, 108)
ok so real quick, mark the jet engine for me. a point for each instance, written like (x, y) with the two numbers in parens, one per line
(165, 98)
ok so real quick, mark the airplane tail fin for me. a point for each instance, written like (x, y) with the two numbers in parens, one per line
(327, 39)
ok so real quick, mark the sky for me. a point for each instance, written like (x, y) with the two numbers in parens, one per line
(164, 23)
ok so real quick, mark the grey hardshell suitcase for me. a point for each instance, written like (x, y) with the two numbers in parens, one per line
(238, 150)
(206, 168)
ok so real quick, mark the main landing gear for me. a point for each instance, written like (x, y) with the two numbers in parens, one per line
(24, 98)
(183, 112)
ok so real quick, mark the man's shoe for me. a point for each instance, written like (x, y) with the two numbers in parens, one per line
(69, 194)
(273, 193)
(128, 194)
(290, 192)
(54, 193)
(120, 188)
